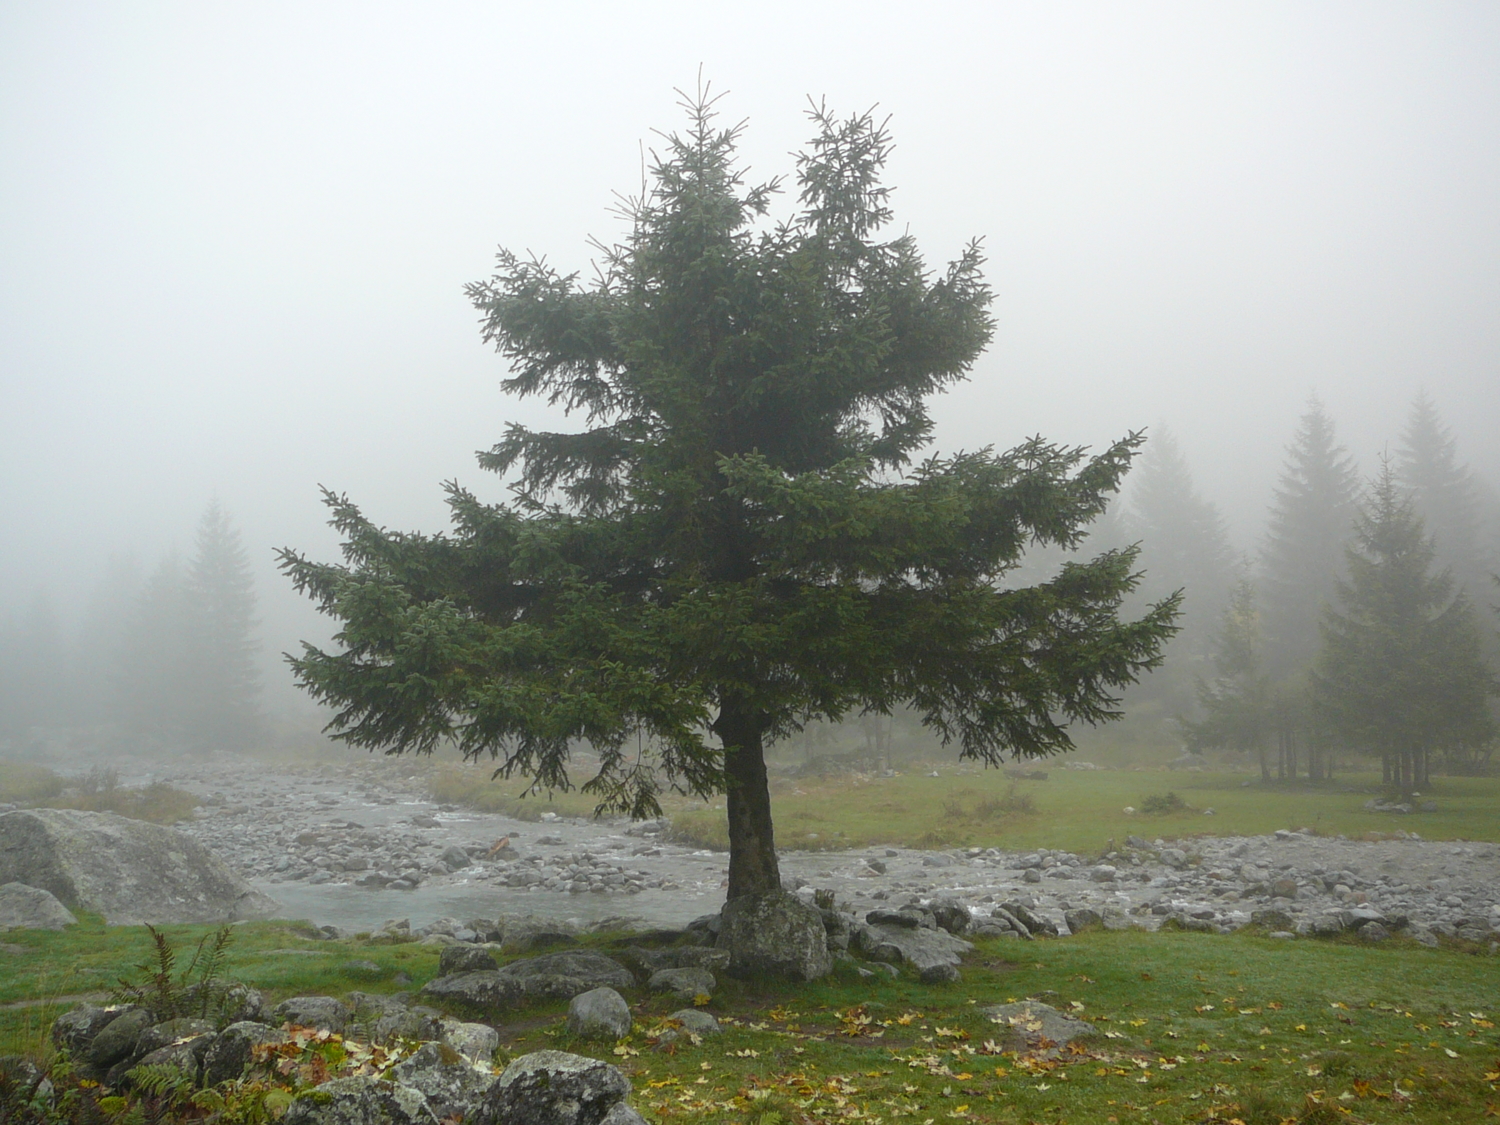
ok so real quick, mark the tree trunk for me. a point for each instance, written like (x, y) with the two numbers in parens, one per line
(752, 846)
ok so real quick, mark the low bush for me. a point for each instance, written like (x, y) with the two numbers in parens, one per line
(1159, 804)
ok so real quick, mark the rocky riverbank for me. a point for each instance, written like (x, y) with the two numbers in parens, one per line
(348, 845)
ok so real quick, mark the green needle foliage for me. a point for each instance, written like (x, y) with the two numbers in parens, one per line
(740, 539)
(1402, 672)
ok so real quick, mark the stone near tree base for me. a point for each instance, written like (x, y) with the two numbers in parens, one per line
(230, 1053)
(450, 1083)
(684, 984)
(951, 915)
(1272, 919)
(176, 1031)
(600, 1013)
(464, 958)
(75, 1031)
(1083, 919)
(484, 990)
(622, 1114)
(31, 908)
(322, 1012)
(775, 934)
(477, 1042)
(117, 1041)
(127, 870)
(696, 1021)
(360, 1101)
(554, 1088)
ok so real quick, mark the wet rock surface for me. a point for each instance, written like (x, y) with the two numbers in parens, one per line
(31, 908)
(127, 870)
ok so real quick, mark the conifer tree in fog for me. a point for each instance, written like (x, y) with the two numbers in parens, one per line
(1184, 545)
(1238, 703)
(31, 672)
(223, 709)
(740, 541)
(155, 660)
(187, 672)
(1312, 517)
(102, 635)
(1401, 673)
(1444, 493)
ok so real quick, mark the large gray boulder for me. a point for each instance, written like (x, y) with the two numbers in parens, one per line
(684, 984)
(234, 1049)
(553, 1088)
(76, 1029)
(599, 1013)
(553, 976)
(562, 976)
(31, 908)
(932, 953)
(361, 1100)
(775, 934)
(127, 870)
(452, 1085)
(484, 990)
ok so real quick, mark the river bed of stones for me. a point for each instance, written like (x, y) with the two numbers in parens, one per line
(347, 845)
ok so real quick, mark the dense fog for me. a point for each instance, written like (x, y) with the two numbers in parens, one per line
(233, 243)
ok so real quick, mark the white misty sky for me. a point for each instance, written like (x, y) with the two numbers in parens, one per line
(233, 236)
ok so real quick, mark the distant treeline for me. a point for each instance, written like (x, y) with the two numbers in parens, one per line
(1362, 622)
(163, 661)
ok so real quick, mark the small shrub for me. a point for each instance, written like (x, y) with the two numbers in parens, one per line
(22, 783)
(158, 802)
(1159, 804)
(100, 779)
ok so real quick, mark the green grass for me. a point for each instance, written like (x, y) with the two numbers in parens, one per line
(1189, 1028)
(1080, 811)
(25, 784)
(90, 959)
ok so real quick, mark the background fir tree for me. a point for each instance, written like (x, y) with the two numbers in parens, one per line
(187, 677)
(98, 643)
(155, 676)
(33, 698)
(223, 709)
(1238, 706)
(1184, 546)
(739, 543)
(1311, 520)
(1401, 673)
(1445, 495)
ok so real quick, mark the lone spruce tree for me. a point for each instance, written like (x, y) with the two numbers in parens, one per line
(738, 541)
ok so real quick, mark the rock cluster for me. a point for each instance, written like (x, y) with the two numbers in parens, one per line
(371, 823)
(450, 1076)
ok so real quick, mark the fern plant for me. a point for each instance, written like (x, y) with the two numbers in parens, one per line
(172, 995)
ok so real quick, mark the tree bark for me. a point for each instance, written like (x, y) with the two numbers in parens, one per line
(753, 868)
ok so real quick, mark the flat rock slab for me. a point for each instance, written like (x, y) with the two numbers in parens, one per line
(1040, 1025)
(127, 870)
(922, 949)
(553, 976)
(31, 908)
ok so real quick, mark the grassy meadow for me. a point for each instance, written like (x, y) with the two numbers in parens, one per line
(1078, 810)
(1187, 1028)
